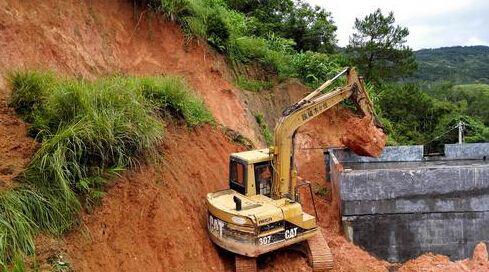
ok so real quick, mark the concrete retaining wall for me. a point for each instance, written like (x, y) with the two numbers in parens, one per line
(467, 151)
(399, 208)
(399, 237)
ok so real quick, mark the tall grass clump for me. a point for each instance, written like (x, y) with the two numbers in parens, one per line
(88, 132)
(172, 95)
(30, 92)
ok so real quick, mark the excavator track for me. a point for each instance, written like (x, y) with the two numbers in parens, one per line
(319, 254)
(245, 264)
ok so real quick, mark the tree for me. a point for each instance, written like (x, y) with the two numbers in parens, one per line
(311, 28)
(378, 48)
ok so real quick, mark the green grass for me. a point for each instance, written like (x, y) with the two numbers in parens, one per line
(252, 85)
(89, 131)
(267, 134)
(322, 191)
(174, 96)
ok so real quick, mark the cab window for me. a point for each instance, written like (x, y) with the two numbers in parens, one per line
(263, 178)
(237, 176)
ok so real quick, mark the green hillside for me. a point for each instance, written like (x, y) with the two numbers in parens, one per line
(459, 64)
(473, 98)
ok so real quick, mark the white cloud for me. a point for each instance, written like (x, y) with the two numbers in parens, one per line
(432, 23)
(475, 41)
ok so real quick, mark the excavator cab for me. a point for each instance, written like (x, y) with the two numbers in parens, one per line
(250, 173)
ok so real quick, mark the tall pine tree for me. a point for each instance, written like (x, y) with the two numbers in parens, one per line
(378, 48)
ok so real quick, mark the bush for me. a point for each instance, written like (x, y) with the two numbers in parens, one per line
(475, 130)
(176, 9)
(89, 131)
(172, 95)
(30, 92)
(315, 68)
(411, 116)
(247, 49)
(217, 32)
(231, 32)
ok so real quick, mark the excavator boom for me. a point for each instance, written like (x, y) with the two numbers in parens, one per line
(302, 112)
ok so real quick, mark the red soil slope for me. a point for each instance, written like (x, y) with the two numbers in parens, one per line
(153, 219)
(90, 38)
(16, 148)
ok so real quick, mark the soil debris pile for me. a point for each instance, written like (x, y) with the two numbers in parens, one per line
(363, 137)
(437, 263)
(480, 253)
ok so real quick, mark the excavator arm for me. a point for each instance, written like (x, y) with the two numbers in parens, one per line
(284, 180)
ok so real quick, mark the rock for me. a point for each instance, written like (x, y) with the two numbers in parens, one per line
(480, 253)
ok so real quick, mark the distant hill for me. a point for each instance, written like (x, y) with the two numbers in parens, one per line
(459, 64)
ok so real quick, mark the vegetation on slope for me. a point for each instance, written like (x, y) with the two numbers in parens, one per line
(89, 132)
(279, 35)
(473, 97)
(265, 131)
(292, 39)
(252, 84)
(458, 64)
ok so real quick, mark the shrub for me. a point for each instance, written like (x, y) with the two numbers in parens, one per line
(447, 132)
(175, 9)
(173, 96)
(247, 49)
(231, 32)
(30, 91)
(315, 68)
(217, 31)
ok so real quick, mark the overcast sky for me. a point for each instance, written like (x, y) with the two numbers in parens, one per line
(432, 23)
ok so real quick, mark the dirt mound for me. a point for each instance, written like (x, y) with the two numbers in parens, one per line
(480, 253)
(438, 263)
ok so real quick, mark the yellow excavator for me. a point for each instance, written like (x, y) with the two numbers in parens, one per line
(261, 212)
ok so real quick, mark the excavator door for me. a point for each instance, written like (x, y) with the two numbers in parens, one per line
(263, 178)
